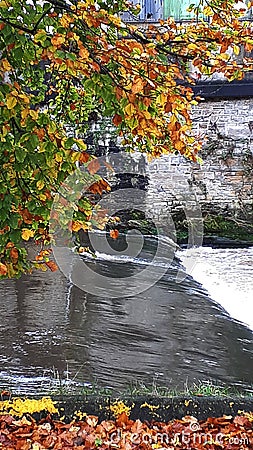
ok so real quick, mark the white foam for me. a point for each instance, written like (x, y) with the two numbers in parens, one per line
(227, 275)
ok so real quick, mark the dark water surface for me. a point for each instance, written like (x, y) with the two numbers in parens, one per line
(172, 332)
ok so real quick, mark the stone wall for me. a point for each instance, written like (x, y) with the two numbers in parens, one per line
(223, 184)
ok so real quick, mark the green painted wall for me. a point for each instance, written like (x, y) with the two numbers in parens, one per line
(177, 9)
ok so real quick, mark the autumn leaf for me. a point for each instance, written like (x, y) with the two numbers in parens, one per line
(83, 52)
(27, 234)
(34, 114)
(78, 225)
(11, 102)
(137, 86)
(58, 39)
(5, 65)
(14, 254)
(52, 266)
(25, 113)
(114, 234)
(117, 119)
(40, 184)
(179, 145)
(9, 245)
(99, 187)
(130, 109)
(84, 157)
(3, 269)
(92, 421)
(93, 166)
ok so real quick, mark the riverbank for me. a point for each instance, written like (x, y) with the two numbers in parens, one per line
(143, 408)
(106, 423)
(218, 231)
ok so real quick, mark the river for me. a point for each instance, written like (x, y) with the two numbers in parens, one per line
(175, 333)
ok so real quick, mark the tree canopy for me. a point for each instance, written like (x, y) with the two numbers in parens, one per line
(62, 62)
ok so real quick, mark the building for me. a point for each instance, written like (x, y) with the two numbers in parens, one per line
(154, 10)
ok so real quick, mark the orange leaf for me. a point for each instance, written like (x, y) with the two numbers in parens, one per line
(99, 187)
(114, 234)
(137, 87)
(83, 52)
(95, 188)
(93, 166)
(58, 39)
(168, 107)
(3, 269)
(52, 266)
(123, 420)
(84, 157)
(40, 133)
(92, 420)
(14, 254)
(117, 120)
(9, 245)
(179, 145)
(95, 66)
(27, 216)
(76, 226)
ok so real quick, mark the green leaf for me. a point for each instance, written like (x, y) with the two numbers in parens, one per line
(20, 154)
(13, 221)
(69, 142)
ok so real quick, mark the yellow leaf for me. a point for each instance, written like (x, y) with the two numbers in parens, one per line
(130, 109)
(58, 157)
(5, 65)
(208, 11)
(225, 56)
(27, 234)
(34, 114)
(192, 46)
(78, 225)
(4, 131)
(236, 49)
(75, 156)
(52, 128)
(11, 102)
(162, 99)
(40, 36)
(24, 97)
(179, 145)
(146, 114)
(40, 184)
(24, 113)
(81, 144)
(66, 20)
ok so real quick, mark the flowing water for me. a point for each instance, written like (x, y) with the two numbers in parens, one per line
(172, 332)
